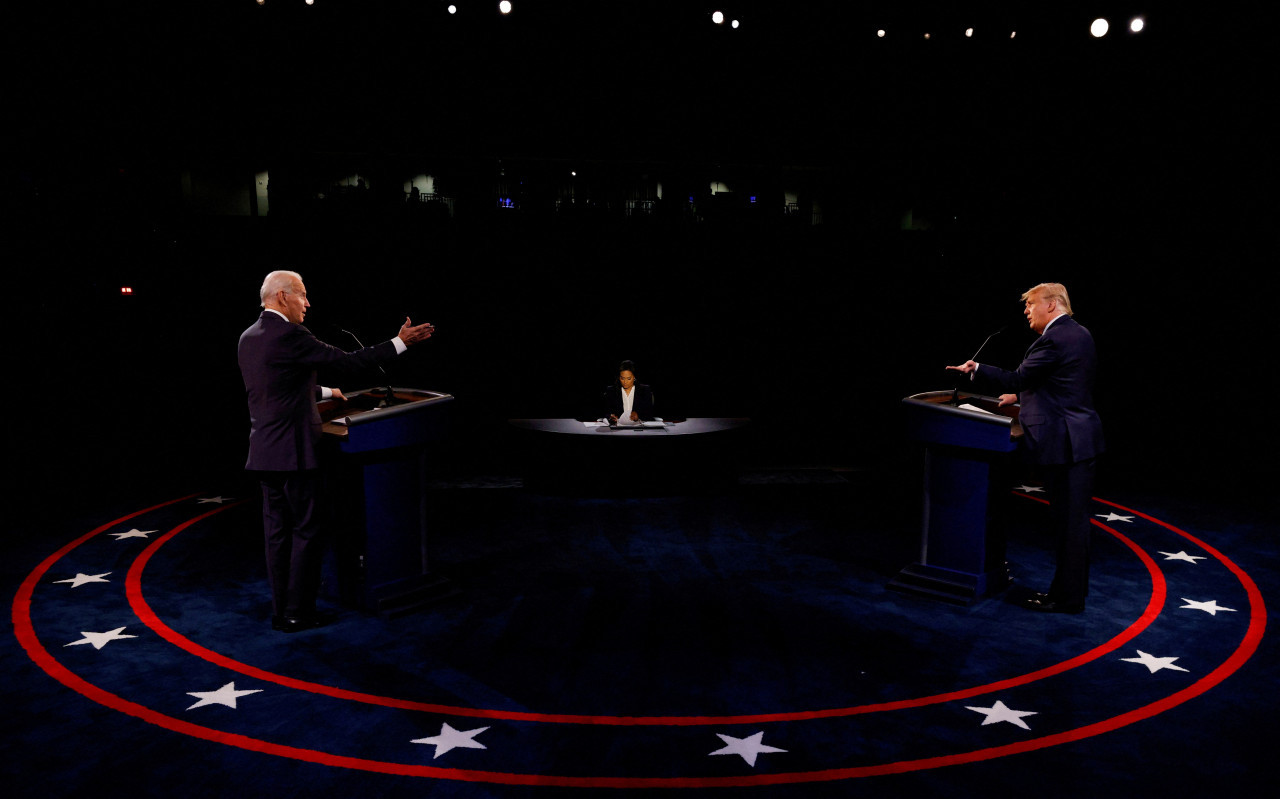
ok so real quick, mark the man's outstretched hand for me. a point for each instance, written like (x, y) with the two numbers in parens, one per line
(411, 334)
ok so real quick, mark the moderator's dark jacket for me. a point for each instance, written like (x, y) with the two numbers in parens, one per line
(1054, 385)
(611, 401)
(278, 361)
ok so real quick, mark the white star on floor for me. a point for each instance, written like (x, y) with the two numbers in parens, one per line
(1182, 556)
(100, 640)
(1029, 489)
(226, 695)
(749, 748)
(449, 738)
(1211, 607)
(1002, 712)
(81, 579)
(134, 533)
(1114, 517)
(1152, 662)
(218, 500)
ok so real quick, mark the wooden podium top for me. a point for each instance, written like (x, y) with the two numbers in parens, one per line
(369, 406)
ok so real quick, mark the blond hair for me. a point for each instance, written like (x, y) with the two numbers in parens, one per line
(1050, 291)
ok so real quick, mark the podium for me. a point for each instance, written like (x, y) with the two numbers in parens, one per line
(965, 451)
(377, 485)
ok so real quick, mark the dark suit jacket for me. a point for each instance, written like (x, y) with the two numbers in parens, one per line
(278, 361)
(1054, 385)
(611, 401)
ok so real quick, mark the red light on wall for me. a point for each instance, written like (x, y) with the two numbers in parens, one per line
(126, 291)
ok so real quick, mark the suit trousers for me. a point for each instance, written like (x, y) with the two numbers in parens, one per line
(1070, 490)
(291, 527)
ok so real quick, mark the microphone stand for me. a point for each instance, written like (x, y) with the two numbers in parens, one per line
(389, 399)
(955, 392)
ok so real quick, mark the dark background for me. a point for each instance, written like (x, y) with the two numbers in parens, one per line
(1137, 169)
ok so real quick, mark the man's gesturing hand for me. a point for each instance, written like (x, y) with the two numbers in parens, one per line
(411, 334)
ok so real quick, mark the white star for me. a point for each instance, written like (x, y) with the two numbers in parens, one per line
(81, 579)
(449, 738)
(1182, 556)
(1152, 662)
(134, 533)
(226, 695)
(749, 748)
(1211, 607)
(1114, 517)
(1029, 489)
(1001, 712)
(100, 640)
(218, 500)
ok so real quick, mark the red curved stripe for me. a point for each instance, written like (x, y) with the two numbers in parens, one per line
(133, 587)
(23, 628)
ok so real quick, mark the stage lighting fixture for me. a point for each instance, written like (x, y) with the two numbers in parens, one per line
(927, 36)
(1099, 28)
(717, 17)
(880, 33)
(968, 33)
(311, 2)
(734, 24)
(1137, 24)
(453, 9)
(505, 6)
(127, 291)
(262, 2)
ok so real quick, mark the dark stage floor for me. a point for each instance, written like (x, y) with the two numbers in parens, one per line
(732, 638)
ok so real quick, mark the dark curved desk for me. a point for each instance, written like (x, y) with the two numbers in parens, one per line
(566, 453)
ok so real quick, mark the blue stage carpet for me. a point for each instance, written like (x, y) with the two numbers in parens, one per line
(740, 641)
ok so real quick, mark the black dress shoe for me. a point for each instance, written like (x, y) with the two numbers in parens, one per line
(292, 624)
(1044, 604)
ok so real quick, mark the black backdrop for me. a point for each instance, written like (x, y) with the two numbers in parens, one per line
(1136, 169)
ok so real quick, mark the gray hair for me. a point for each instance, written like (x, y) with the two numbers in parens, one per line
(279, 280)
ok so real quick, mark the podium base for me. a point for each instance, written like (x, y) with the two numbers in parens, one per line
(946, 585)
(410, 595)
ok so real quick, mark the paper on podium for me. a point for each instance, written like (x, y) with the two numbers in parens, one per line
(969, 407)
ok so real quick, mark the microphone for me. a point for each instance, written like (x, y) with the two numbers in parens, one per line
(955, 392)
(984, 344)
(389, 399)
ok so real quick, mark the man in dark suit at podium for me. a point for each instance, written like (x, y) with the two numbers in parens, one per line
(1062, 432)
(278, 360)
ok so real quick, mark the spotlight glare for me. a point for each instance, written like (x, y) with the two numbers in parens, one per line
(1137, 24)
(453, 9)
(311, 2)
(734, 24)
(1013, 34)
(1099, 28)
(968, 33)
(262, 2)
(880, 33)
(505, 6)
(717, 17)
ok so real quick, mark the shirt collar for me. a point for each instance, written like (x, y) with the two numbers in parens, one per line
(1051, 321)
(277, 313)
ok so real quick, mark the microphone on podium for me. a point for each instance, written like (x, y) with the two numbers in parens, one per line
(955, 392)
(389, 399)
(984, 344)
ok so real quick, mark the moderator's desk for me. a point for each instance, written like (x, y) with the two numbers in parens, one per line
(566, 453)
